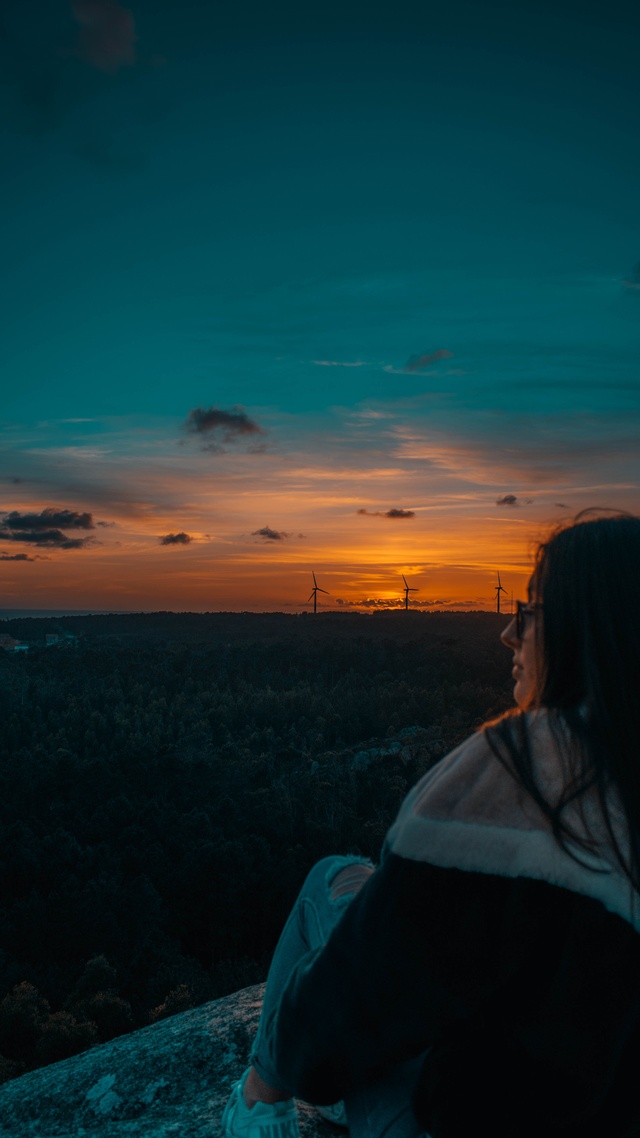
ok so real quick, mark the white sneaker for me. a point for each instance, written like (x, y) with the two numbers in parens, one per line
(262, 1120)
(336, 1114)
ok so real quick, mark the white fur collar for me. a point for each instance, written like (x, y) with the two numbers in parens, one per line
(469, 812)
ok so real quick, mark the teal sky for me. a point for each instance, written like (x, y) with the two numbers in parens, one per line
(277, 208)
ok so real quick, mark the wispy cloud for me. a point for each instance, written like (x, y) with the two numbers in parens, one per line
(369, 415)
(496, 450)
(17, 557)
(391, 370)
(426, 359)
(340, 363)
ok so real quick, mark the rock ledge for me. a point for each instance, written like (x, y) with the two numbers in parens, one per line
(170, 1079)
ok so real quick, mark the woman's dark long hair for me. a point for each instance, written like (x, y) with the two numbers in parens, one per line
(588, 673)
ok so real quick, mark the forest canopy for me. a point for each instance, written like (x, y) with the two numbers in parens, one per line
(163, 776)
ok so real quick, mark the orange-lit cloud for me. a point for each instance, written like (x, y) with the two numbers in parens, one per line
(383, 603)
(45, 519)
(269, 534)
(43, 528)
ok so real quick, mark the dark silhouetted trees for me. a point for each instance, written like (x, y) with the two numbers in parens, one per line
(166, 784)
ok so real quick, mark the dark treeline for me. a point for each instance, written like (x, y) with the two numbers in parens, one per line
(166, 783)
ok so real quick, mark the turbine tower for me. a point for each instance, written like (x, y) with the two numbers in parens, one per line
(314, 592)
(499, 589)
(407, 590)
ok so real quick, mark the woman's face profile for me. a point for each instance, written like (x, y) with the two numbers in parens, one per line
(524, 648)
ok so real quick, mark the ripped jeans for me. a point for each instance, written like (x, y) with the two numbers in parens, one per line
(382, 1110)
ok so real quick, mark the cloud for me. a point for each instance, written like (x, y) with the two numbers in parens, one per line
(339, 363)
(45, 529)
(48, 538)
(418, 363)
(107, 34)
(391, 603)
(513, 500)
(549, 452)
(181, 538)
(229, 425)
(268, 534)
(17, 557)
(392, 513)
(47, 518)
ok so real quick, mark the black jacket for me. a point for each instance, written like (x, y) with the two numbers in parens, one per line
(482, 942)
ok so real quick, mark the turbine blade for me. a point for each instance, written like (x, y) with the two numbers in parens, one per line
(310, 599)
(314, 578)
(322, 590)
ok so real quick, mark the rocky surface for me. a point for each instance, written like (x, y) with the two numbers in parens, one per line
(170, 1079)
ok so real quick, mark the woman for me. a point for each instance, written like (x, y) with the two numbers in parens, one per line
(488, 972)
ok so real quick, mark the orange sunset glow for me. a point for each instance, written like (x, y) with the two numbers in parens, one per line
(143, 521)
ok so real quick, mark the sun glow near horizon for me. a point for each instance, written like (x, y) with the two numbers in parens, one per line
(226, 531)
(356, 559)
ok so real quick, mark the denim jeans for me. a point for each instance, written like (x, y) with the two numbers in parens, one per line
(382, 1110)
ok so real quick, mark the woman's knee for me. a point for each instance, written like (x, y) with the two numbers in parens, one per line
(350, 879)
(340, 874)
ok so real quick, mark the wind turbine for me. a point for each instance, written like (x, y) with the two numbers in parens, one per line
(499, 589)
(407, 590)
(314, 592)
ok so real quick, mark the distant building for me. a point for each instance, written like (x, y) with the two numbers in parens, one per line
(10, 644)
(57, 639)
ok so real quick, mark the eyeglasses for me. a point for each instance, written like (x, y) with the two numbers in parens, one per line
(524, 611)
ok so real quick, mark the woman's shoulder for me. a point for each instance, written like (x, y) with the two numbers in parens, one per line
(472, 812)
(471, 783)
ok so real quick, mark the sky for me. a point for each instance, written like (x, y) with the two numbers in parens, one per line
(287, 289)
